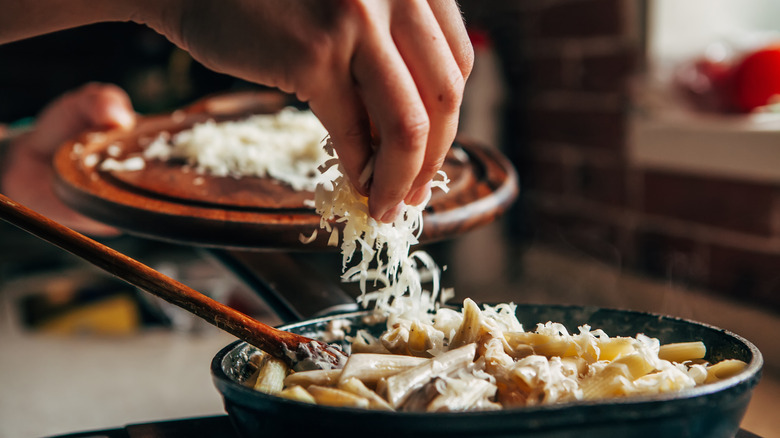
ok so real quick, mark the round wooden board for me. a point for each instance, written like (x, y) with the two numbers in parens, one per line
(172, 202)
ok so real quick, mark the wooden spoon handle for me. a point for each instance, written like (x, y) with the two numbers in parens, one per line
(273, 341)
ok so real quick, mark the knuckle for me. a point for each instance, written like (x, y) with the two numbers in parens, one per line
(306, 78)
(412, 132)
(394, 193)
(430, 167)
(451, 93)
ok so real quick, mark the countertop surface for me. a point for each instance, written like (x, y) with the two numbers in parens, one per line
(53, 386)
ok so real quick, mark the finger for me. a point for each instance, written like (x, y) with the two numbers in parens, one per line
(93, 106)
(438, 77)
(106, 106)
(396, 109)
(451, 23)
(420, 195)
(343, 115)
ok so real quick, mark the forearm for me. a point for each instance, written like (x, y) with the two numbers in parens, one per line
(22, 19)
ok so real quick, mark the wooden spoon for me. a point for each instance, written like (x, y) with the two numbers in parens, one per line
(295, 349)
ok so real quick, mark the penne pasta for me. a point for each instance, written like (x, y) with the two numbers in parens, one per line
(490, 365)
(298, 394)
(636, 365)
(315, 377)
(420, 340)
(463, 395)
(270, 378)
(611, 348)
(724, 369)
(682, 351)
(542, 344)
(471, 327)
(337, 397)
(610, 382)
(400, 386)
(357, 387)
(369, 368)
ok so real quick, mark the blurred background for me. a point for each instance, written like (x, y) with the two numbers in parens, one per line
(649, 180)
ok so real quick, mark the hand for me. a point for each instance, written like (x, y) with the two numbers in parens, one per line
(396, 66)
(29, 174)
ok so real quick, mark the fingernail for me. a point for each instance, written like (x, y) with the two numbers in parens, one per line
(420, 195)
(121, 116)
(391, 214)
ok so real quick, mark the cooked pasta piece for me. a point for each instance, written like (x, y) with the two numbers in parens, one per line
(270, 378)
(724, 369)
(542, 344)
(611, 348)
(298, 394)
(369, 368)
(314, 377)
(423, 338)
(337, 397)
(471, 328)
(357, 387)
(463, 395)
(611, 381)
(682, 351)
(636, 364)
(400, 386)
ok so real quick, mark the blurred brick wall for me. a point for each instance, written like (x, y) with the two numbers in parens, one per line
(569, 64)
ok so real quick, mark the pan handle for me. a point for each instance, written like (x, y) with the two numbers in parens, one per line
(290, 285)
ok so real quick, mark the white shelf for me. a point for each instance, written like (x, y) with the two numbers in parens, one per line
(741, 147)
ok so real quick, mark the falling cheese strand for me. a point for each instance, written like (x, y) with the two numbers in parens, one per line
(376, 254)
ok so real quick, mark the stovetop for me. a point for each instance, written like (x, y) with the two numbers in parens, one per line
(202, 427)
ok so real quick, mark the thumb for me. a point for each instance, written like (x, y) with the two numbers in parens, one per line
(106, 106)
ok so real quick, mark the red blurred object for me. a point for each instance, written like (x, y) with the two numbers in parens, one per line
(707, 84)
(480, 39)
(756, 79)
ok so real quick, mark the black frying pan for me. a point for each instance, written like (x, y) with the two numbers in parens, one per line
(713, 410)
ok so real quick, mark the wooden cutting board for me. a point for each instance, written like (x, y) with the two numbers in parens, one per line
(169, 201)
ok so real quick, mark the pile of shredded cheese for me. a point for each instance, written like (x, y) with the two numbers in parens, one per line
(285, 146)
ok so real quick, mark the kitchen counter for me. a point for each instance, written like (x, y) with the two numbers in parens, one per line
(56, 385)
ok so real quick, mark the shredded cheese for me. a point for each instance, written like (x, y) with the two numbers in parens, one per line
(285, 146)
(376, 254)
